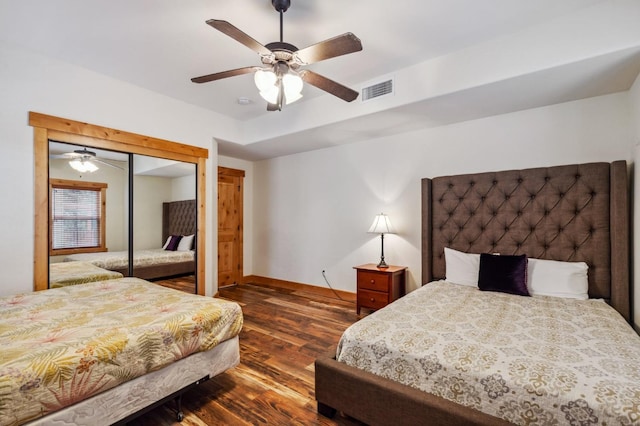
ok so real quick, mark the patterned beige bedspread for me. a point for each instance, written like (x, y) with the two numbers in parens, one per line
(120, 259)
(72, 273)
(63, 345)
(529, 360)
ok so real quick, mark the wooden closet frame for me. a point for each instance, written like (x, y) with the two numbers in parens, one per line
(46, 128)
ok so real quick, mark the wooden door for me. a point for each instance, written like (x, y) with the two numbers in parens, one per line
(229, 226)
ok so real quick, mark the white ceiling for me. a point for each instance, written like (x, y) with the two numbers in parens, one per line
(161, 44)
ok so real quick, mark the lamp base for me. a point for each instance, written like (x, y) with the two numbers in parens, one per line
(382, 264)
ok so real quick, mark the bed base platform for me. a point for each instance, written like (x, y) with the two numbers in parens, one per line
(160, 271)
(132, 399)
(176, 397)
(375, 400)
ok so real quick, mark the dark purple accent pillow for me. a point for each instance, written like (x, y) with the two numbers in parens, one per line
(506, 274)
(173, 242)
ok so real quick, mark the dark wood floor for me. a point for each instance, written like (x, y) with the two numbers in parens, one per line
(283, 332)
(183, 283)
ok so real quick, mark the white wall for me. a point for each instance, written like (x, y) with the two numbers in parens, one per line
(148, 195)
(31, 82)
(248, 210)
(313, 209)
(184, 187)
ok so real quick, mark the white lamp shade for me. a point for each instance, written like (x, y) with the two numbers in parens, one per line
(292, 84)
(270, 95)
(83, 166)
(265, 80)
(381, 225)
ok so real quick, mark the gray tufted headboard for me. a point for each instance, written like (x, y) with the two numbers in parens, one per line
(178, 218)
(570, 213)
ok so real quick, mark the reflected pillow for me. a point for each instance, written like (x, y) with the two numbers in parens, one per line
(186, 243)
(174, 241)
(461, 268)
(558, 279)
(505, 274)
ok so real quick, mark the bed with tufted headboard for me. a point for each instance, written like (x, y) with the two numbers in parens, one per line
(178, 218)
(574, 213)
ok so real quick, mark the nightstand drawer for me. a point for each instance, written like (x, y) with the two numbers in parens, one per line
(373, 281)
(372, 299)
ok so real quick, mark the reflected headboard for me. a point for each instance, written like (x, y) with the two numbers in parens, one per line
(570, 213)
(178, 218)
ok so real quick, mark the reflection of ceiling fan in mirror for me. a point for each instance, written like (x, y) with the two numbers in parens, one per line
(85, 161)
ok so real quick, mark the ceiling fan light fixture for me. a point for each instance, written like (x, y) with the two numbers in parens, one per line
(83, 166)
(270, 95)
(267, 83)
(265, 79)
(292, 84)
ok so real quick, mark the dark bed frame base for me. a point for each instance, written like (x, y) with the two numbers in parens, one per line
(176, 397)
(155, 272)
(366, 397)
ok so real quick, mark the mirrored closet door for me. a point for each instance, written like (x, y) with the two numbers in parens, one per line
(93, 202)
(120, 204)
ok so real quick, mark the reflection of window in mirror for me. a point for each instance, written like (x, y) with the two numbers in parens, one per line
(78, 168)
(78, 216)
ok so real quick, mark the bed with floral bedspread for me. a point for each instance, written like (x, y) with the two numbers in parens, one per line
(529, 360)
(63, 345)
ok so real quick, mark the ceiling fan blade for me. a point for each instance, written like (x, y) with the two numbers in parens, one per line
(106, 163)
(329, 86)
(238, 35)
(224, 74)
(336, 46)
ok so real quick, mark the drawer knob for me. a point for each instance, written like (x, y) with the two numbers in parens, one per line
(373, 281)
(372, 299)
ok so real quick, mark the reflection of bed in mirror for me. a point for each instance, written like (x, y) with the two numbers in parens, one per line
(71, 273)
(102, 352)
(178, 218)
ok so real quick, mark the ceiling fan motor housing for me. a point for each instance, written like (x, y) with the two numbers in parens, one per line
(281, 5)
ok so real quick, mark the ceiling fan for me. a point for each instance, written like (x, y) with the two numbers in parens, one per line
(280, 80)
(84, 160)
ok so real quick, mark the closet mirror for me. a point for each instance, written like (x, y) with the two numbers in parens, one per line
(90, 215)
(119, 203)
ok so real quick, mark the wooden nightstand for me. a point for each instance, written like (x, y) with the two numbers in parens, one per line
(379, 287)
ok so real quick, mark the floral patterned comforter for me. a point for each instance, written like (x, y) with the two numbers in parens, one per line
(72, 273)
(63, 345)
(529, 360)
(120, 259)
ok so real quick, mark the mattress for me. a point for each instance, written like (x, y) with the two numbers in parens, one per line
(120, 259)
(71, 273)
(64, 345)
(130, 397)
(528, 360)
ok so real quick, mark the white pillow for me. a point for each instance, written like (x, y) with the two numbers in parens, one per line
(462, 268)
(185, 243)
(559, 279)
